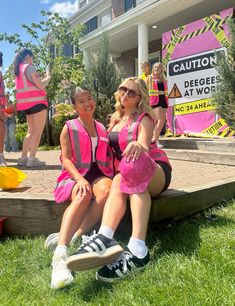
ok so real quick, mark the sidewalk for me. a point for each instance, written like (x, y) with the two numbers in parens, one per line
(185, 174)
(31, 209)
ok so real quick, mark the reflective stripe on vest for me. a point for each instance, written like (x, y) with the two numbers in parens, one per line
(26, 91)
(132, 135)
(104, 156)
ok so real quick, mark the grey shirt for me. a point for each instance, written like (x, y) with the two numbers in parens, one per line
(29, 70)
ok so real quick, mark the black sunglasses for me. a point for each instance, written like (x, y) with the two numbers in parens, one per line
(131, 93)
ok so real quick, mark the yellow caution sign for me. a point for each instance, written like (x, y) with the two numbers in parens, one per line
(193, 107)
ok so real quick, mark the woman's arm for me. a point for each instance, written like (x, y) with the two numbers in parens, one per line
(66, 153)
(40, 83)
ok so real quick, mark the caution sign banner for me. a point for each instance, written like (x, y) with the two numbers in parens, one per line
(190, 57)
(193, 107)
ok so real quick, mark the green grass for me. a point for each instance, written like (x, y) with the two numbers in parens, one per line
(193, 263)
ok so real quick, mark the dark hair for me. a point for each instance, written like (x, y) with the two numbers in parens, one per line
(76, 91)
(1, 54)
(20, 56)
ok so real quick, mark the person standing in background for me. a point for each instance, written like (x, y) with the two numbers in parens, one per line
(146, 71)
(32, 101)
(158, 95)
(2, 115)
(11, 144)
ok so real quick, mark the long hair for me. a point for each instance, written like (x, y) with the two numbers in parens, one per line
(75, 91)
(19, 58)
(143, 105)
(161, 76)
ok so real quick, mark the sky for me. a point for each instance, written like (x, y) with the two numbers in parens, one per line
(14, 13)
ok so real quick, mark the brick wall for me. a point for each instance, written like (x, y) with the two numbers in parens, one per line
(117, 8)
(127, 59)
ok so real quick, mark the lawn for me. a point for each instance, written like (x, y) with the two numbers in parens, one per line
(193, 263)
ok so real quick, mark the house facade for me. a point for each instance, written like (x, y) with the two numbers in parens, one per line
(135, 27)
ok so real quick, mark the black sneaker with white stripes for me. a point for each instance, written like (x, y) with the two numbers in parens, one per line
(97, 251)
(126, 264)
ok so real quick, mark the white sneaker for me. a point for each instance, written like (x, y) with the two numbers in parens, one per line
(61, 276)
(3, 162)
(34, 162)
(52, 241)
(22, 161)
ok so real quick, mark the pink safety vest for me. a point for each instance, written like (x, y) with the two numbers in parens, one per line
(82, 149)
(27, 93)
(154, 92)
(130, 133)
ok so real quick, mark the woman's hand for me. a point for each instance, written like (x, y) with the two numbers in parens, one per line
(133, 150)
(83, 187)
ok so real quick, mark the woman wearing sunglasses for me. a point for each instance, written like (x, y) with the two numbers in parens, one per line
(143, 171)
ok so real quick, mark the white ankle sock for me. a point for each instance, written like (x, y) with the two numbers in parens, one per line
(137, 247)
(31, 158)
(61, 250)
(106, 231)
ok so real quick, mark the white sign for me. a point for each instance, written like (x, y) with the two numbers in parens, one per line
(193, 77)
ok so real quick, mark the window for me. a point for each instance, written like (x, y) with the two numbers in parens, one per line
(76, 50)
(106, 17)
(129, 4)
(91, 25)
(82, 3)
(68, 50)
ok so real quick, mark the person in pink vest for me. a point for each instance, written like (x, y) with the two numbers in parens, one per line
(32, 101)
(143, 171)
(158, 98)
(88, 167)
(2, 115)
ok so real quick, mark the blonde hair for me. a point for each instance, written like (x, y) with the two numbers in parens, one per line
(143, 105)
(162, 76)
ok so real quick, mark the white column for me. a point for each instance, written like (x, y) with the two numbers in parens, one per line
(85, 57)
(143, 49)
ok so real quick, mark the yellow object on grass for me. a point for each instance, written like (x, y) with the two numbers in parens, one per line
(10, 177)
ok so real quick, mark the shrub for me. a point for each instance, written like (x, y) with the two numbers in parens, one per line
(21, 131)
(63, 112)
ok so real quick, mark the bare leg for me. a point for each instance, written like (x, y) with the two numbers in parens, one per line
(73, 216)
(38, 124)
(115, 206)
(141, 204)
(140, 210)
(160, 115)
(101, 189)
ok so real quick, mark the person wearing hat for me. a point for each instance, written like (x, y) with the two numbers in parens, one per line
(143, 171)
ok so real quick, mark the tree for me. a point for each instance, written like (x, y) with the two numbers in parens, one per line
(53, 32)
(224, 96)
(102, 77)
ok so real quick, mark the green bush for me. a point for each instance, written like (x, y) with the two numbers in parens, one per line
(63, 113)
(21, 131)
